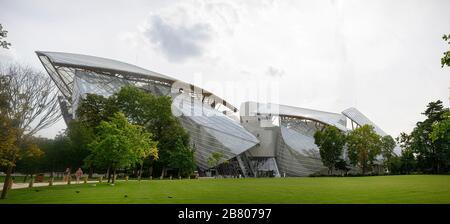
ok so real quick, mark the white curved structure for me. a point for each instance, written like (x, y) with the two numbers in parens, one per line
(210, 130)
(290, 138)
(268, 140)
(360, 119)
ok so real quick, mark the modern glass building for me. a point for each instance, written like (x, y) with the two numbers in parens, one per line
(257, 140)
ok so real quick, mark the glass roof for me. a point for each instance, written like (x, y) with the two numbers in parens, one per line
(80, 60)
(226, 130)
(253, 108)
(359, 118)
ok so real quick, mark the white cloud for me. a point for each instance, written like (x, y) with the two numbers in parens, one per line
(178, 42)
(189, 29)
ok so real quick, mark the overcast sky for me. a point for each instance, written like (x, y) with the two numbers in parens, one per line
(382, 57)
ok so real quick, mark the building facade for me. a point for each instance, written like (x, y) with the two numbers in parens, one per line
(259, 139)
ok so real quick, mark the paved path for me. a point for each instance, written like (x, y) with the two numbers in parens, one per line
(44, 184)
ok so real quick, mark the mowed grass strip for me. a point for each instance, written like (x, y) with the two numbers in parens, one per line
(374, 189)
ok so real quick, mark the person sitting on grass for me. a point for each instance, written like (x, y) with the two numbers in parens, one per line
(78, 174)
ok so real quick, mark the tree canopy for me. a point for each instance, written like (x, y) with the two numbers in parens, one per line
(445, 60)
(120, 144)
(387, 148)
(331, 143)
(364, 144)
(28, 103)
(151, 112)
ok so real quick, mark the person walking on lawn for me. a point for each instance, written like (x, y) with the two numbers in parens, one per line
(78, 174)
(66, 175)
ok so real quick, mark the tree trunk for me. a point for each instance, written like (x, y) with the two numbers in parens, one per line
(6, 182)
(163, 172)
(140, 171)
(150, 171)
(25, 178)
(91, 171)
(438, 167)
(114, 175)
(109, 174)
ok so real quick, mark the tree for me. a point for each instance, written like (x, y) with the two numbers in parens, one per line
(342, 165)
(144, 146)
(91, 111)
(175, 150)
(445, 60)
(387, 149)
(28, 103)
(149, 111)
(440, 135)
(364, 145)
(3, 35)
(80, 135)
(58, 154)
(441, 129)
(94, 109)
(406, 162)
(215, 158)
(331, 143)
(120, 144)
(154, 113)
(31, 163)
(182, 159)
(431, 156)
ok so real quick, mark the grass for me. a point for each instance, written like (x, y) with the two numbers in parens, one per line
(375, 189)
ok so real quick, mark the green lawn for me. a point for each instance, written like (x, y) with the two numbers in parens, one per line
(375, 189)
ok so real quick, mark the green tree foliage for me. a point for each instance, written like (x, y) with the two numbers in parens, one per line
(72, 148)
(58, 154)
(364, 144)
(441, 129)
(27, 104)
(341, 164)
(3, 35)
(182, 159)
(175, 150)
(91, 111)
(215, 158)
(431, 156)
(440, 135)
(445, 60)
(331, 143)
(80, 135)
(406, 162)
(32, 163)
(94, 109)
(387, 149)
(8, 143)
(120, 144)
(155, 114)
